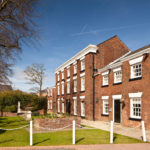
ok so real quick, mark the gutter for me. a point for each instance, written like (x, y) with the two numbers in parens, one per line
(93, 76)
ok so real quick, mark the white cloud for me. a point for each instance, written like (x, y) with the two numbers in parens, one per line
(19, 81)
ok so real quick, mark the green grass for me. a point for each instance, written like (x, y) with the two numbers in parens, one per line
(86, 136)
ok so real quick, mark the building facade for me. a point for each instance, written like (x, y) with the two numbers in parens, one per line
(51, 100)
(122, 89)
(106, 82)
(75, 80)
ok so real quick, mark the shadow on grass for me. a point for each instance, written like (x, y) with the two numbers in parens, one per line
(2, 131)
(41, 141)
(114, 138)
(77, 141)
(6, 141)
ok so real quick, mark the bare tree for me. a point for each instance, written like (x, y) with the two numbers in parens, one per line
(16, 29)
(35, 74)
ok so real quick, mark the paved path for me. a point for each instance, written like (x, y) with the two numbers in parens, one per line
(86, 147)
(118, 128)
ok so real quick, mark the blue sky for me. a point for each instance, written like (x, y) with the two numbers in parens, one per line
(67, 26)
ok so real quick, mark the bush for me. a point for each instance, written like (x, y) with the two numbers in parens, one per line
(12, 108)
(9, 101)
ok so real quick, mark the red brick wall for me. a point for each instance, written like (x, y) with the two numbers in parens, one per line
(107, 52)
(55, 123)
(125, 88)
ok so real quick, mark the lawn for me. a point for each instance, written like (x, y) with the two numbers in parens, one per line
(86, 136)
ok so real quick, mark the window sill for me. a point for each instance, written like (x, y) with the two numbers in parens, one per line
(133, 79)
(75, 115)
(105, 86)
(106, 115)
(74, 92)
(74, 74)
(135, 119)
(82, 70)
(82, 116)
(117, 83)
(82, 91)
(63, 80)
(68, 93)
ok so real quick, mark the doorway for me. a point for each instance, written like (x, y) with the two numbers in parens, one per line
(68, 107)
(117, 111)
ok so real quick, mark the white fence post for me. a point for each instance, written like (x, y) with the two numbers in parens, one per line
(111, 131)
(31, 135)
(73, 132)
(143, 131)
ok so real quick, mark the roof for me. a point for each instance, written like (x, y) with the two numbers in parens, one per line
(139, 50)
(5, 87)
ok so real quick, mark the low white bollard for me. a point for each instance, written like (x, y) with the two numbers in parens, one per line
(143, 131)
(73, 132)
(111, 131)
(31, 135)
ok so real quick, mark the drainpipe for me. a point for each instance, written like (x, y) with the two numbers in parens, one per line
(93, 90)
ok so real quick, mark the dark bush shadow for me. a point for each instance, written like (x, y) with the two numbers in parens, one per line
(114, 138)
(77, 141)
(41, 141)
(6, 141)
(2, 131)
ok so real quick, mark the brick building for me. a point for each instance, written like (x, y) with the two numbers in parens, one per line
(106, 82)
(51, 100)
(75, 81)
(122, 89)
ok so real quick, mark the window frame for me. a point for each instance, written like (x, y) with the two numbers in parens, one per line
(58, 105)
(75, 68)
(115, 76)
(132, 108)
(68, 87)
(75, 85)
(105, 102)
(75, 106)
(82, 108)
(68, 72)
(82, 83)
(82, 64)
(133, 72)
(62, 88)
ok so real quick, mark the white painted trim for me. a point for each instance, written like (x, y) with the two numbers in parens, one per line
(58, 99)
(62, 82)
(82, 74)
(88, 49)
(74, 98)
(133, 95)
(75, 63)
(75, 77)
(68, 80)
(68, 67)
(136, 60)
(105, 73)
(82, 58)
(105, 97)
(58, 83)
(82, 97)
(117, 69)
(116, 96)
